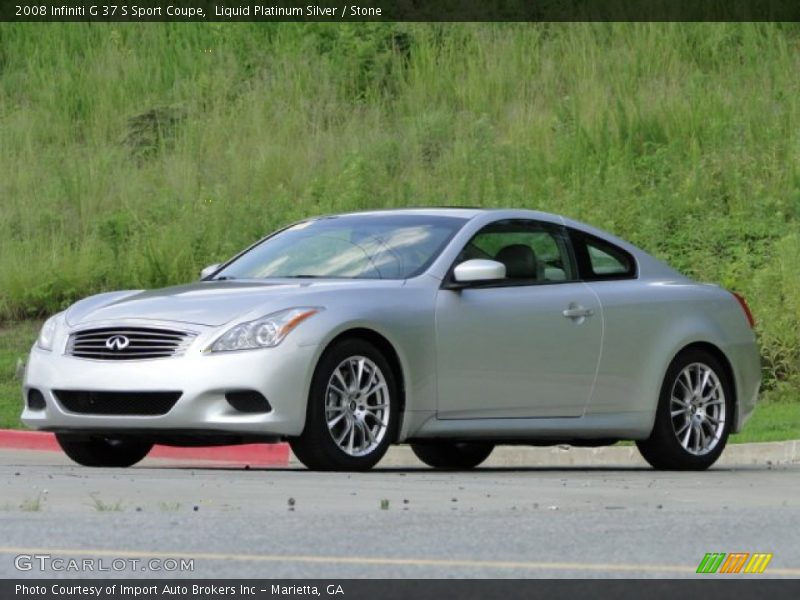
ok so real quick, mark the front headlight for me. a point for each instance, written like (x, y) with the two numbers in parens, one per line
(265, 332)
(48, 332)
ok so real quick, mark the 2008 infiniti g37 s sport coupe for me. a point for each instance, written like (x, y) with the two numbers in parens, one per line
(449, 329)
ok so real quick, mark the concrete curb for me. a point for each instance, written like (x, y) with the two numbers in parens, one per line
(764, 453)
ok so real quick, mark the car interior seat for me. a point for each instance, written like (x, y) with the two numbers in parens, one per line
(520, 261)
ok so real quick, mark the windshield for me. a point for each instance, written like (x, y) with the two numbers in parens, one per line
(373, 246)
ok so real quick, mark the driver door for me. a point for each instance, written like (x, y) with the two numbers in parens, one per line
(526, 346)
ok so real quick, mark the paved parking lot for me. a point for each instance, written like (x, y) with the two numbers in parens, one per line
(396, 521)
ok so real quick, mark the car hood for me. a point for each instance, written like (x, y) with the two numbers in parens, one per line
(210, 303)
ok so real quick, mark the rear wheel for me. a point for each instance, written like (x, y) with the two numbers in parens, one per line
(452, 455)
(694, 414)
(352, 410)
(101, 451)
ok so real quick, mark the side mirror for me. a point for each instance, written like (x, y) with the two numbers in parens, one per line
(479, 269)
(209, 270)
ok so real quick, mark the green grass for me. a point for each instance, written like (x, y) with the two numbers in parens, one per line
(101, 505)
(772, 421)
(15, 342)
(134, 154)
(31, 504)
(775, 418)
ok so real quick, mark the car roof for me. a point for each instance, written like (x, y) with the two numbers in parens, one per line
(463, 212)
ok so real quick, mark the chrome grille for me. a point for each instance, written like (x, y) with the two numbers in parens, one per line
(128, 343)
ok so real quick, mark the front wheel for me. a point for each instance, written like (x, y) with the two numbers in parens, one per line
(694, 414)
(101, 451)
(452, 455)
(352, 410)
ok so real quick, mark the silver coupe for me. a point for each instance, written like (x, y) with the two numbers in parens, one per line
(449, 329)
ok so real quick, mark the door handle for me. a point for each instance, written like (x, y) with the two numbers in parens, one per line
(576, 311)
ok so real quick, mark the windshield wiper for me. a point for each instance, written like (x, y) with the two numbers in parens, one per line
(224, 278)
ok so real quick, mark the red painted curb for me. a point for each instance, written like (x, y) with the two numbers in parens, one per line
(264, 455)
(28, 440)
(271, 455)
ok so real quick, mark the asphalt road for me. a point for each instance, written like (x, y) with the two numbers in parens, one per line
(291, 523)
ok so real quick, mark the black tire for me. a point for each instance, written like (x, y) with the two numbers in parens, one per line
(452, 455)
(101, 451)
(663, 449)
(315, 447)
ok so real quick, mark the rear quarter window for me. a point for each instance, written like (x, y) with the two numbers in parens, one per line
(599, 260)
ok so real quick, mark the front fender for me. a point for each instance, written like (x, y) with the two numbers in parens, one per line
(408, 328)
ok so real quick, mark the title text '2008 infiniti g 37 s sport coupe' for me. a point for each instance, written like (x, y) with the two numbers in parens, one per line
(449, 329)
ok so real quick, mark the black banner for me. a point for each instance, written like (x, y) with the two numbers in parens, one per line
(399, 10)
(418, 589)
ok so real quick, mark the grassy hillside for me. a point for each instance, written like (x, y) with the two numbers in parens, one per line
(132, 155)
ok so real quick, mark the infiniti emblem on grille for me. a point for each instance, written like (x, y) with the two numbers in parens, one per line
(117, 342)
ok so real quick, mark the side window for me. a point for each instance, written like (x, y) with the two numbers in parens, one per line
(598, 259)
(530, 250)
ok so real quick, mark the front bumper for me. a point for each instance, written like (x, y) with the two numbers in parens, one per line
(281, 374)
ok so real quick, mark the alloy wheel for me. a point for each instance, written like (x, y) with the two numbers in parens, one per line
(357, 406)
(697, 408)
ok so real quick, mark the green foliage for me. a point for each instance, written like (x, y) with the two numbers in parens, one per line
(15, 343)
(131, 155)
(773, 420)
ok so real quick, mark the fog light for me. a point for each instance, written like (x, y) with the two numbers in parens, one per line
(248, 401)
(36, 400)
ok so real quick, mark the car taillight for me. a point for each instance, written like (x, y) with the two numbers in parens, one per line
(747, 312)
